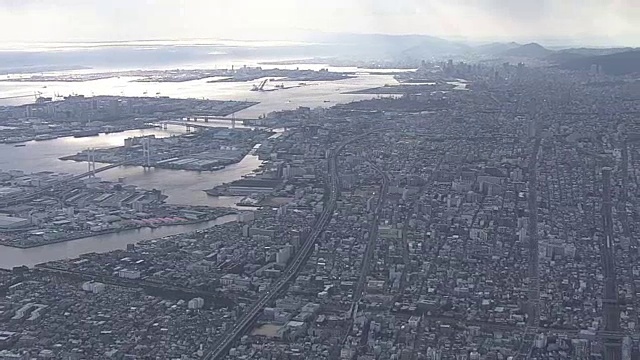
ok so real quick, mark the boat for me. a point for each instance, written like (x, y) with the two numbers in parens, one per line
(19, 145)
(45, 137)
(86, 133)
(108, 129)
(19, 139)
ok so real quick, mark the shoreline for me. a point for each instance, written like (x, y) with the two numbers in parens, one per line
(70, 134)
(115, 231)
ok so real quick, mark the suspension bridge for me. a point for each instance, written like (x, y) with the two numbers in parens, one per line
(17, 198)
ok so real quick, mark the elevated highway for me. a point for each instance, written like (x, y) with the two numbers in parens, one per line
(292, 271)
(370, 247)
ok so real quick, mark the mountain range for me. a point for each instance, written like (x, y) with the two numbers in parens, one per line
(410, 49)
(614, 61)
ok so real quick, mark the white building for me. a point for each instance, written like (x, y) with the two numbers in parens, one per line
(196, 303)
(94, 287)
(283, 255)
(10, 222)
(129, 274)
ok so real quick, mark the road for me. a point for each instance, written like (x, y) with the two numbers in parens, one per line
(245, 322)
(133, 283)
(611, 310)
(373, 236)
(534, 281)
(533, 321)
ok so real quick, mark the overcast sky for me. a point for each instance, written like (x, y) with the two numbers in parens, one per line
(589, 21)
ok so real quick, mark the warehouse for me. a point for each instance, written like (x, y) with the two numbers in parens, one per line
(9, 222)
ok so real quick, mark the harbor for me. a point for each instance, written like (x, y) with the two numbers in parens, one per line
(181, 187)
(310, 96)
(208, 149)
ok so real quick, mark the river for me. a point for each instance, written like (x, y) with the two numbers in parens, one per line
(314, 94)
(10, 257)
(181, 187)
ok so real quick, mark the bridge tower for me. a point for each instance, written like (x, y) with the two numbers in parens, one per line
(146, 152)
(91, 162)
(188, 128)
(164, 126)
(233, 120)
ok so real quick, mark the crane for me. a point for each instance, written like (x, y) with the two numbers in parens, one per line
(261, 86)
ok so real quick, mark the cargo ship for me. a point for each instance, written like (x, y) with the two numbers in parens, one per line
(86, 133)
(44, 137)
(15, 140)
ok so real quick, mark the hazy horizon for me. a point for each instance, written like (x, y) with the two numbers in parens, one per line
(570, 22)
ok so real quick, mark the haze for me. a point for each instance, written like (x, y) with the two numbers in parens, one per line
(593, 22)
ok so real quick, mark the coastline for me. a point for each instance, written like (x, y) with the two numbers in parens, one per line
(70, 133)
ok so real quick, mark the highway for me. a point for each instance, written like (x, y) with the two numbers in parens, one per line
(192, 124)
(373, 236)
(611, 310)
(534, 280)
(244, 323)
(533, 321)
(205, 118)
(117, 281)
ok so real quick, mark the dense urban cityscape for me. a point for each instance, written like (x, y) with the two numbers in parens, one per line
(497, 221)
(198, 180)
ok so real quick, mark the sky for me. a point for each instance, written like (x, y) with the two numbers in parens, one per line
(596, 22)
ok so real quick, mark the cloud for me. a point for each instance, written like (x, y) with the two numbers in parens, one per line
(83, 20)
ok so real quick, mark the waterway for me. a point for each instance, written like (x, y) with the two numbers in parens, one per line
(10, 257)
(181, 187)
(314, 94)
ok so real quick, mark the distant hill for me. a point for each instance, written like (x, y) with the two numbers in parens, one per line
(496, 48)
(562, 56)
(619, 63)
(532, 50)
(389, 46)
(596, 51)
(435, 47)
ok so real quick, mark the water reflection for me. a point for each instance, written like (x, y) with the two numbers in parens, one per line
(11, 257)
(182, 187)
